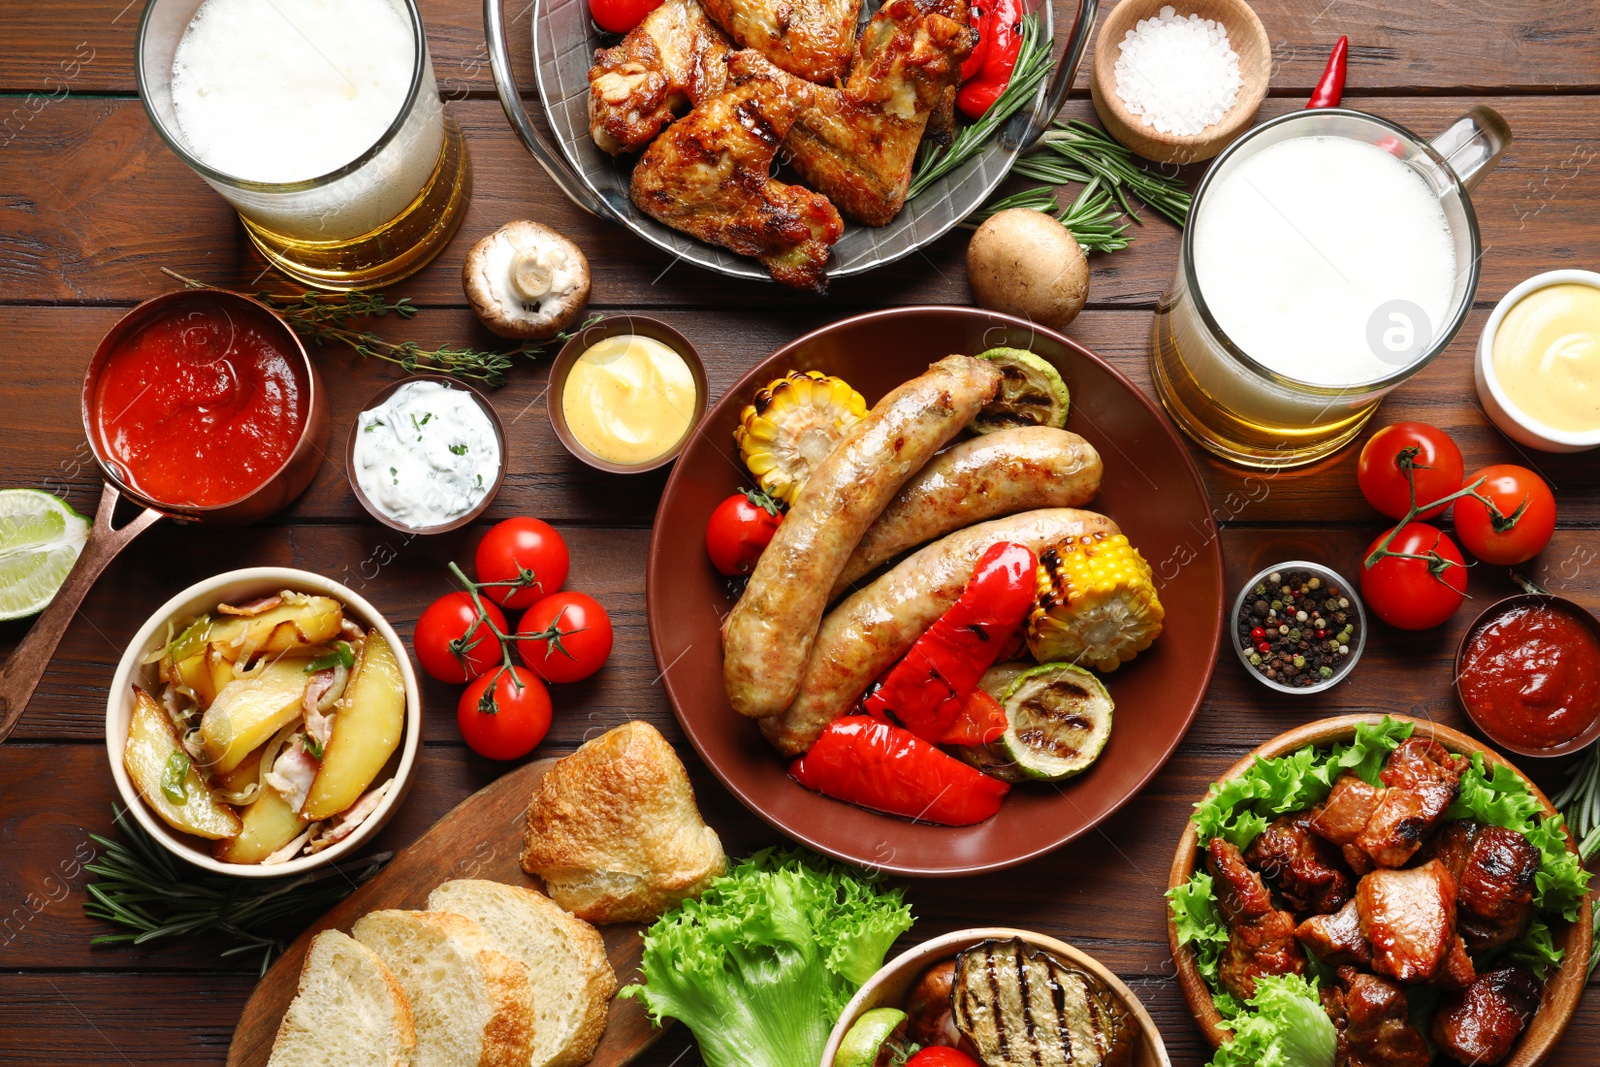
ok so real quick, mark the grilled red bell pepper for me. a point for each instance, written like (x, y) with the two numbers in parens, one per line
(981, 722)
(1001, 40)
(882, 767)
(978, 14)
(1330, 87)
(925, 691)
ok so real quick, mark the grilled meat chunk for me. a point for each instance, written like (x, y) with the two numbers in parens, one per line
(1479, 1024)
(670, 62)
(1371, 1017)
(1341, 818)
(1423, 780)
(812, 39)
(1260, 936)
(1409, 919)
(1493, 868)
(709, 175)
(1336, 939)
(1304, 869)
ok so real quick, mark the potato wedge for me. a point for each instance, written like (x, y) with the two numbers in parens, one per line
(366, 729)
(269, 824)
(249, 711)
(296, 625)
(195, 673)
(247, 771)
(161, 771)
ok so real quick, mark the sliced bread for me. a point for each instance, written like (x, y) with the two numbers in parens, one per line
(566, 958)
(473, 1005)
(614, 832)
(349, 1011)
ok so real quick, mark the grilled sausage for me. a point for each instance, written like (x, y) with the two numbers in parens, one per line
(873, 628)
(769, 633)
(1000, 473)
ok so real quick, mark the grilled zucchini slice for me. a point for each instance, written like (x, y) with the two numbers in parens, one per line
(1058, 720)
(1031, 393)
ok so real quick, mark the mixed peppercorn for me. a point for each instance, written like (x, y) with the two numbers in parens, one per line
(1297, 629)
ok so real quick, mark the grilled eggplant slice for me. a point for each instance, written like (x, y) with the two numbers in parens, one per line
(1022, 1007)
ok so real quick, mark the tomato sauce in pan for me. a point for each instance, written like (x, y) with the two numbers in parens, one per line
(201, 408)
(1533, 676)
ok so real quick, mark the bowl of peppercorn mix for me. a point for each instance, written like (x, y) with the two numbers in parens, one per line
(1298, 627)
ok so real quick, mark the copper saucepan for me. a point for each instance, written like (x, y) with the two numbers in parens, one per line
(21, 673)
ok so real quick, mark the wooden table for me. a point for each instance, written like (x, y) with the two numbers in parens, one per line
(92, 206)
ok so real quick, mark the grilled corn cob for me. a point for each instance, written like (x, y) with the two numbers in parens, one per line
(1097, 604)
(792, 425)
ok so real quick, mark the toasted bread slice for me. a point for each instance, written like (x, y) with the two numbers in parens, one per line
(614, 832)
(349, 1011)
(473, 1006)
(566, 958)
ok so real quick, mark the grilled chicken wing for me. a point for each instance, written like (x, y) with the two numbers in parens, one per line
(709, 176)
(1493, 868)
(1336, 938)
(1371, 1017)
(857, 144)
(671, 61)
(1479, 1024)
(1302, 867)
(809, 38)
(1260, 936)
(1409, 919)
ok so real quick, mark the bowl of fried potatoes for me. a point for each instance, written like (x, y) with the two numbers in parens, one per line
(264, 722)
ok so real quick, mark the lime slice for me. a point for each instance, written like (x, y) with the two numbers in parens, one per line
(866, 1036)
(40, 538)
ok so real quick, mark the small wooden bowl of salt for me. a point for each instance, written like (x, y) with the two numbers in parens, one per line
(1178, 80)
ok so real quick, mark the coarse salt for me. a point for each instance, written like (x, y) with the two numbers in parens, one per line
(1178, 74)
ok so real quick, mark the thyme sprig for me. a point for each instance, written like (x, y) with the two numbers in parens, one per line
(324, 318)
(157, 897)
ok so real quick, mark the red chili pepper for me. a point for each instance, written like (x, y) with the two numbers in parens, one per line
(882, 767)
(1330, 88)
(924, 692)
(980, 16)
(1002, 33)
(981, 722)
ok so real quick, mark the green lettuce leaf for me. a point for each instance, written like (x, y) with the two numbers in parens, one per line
(763, 964)
(1282, 1026)
(1199, 923)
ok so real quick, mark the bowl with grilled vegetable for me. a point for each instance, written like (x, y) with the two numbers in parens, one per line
(263, 722)
(994, 997)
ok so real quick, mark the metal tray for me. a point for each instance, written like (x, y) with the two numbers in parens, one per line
(564, 41)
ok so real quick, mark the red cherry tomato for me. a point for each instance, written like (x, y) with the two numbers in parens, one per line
(521, 547)
(739, 530)
(504, 715)
(620, 16)
(1510, 487)
(565, 638)
(1405, 593)
(940, 1056)
(1437, 467)
(452, 644)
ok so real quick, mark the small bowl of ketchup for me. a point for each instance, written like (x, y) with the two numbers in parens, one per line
(1528, 675)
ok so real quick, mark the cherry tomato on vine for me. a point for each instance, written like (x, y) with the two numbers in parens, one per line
(940, 1056)
(516, 546)
(452, 643)
(620, 16)
(1511, 488)
(1415, 594)
(565, 637)
(739, 530)
(504, 714)
(1437, 466)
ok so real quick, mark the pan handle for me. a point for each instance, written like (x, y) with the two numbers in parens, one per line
(511, 100)
(21, 673)
(1066, 71)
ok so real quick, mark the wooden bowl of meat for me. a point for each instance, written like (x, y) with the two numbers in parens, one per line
(1397, 859)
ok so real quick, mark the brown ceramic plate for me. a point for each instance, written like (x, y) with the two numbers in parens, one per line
(1150, 488)
(1561, 990)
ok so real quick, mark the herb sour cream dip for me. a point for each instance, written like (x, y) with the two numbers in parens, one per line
(427, 455)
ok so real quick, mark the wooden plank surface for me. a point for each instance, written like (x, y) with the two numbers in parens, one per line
(92, 205)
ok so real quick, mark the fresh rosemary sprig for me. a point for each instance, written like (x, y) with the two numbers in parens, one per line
(1579, 804)
(1075, 151)
(1093, 218)
(327, 319)
(144, 888)
(1033, 63)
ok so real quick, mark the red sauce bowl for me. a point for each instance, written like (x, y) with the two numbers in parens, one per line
(258, 350)
(1491, 729)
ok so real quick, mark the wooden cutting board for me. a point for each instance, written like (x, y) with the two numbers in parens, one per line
(480, 838)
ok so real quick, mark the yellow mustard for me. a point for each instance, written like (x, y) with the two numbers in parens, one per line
(629, 399)
(1547, 356)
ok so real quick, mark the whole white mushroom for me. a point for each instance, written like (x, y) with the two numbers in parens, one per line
(1025, 263)
(526, 281)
